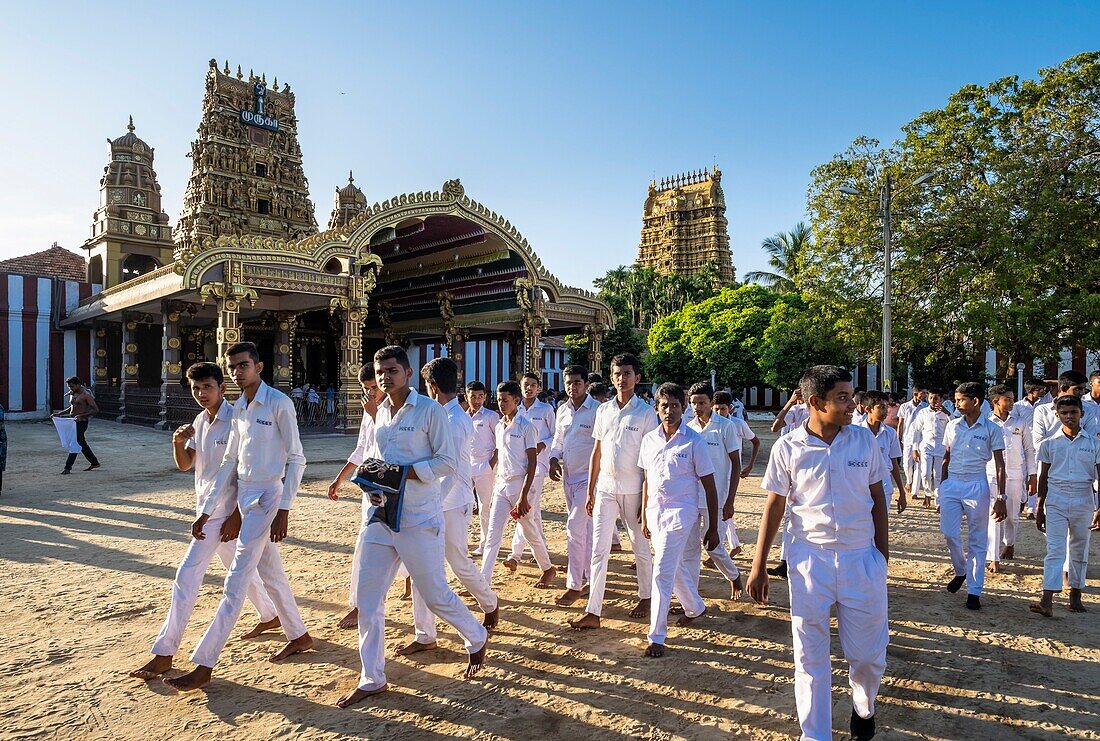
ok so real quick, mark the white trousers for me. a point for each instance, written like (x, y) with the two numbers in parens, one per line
(420, 548)
(911, 469)
(730, 529)
(483, 490)
(1069, 514)
(364, 515)
(931, 471)
(534, 498)
(1002, 534)
(784, 533)
(185, 587)
(607, 508)
(256, 554)
(854, 581)
(456, 526)
(720, 555)
(966, 495)
(578, 534)
(506, 497)
(676, 552)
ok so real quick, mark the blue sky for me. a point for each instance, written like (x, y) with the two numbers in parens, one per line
(554, 115)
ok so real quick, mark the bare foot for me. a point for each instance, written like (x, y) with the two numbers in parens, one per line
(408, 588)
(349, 621)
(412, 647)
(465, 593)
(193, 680)
(641, 609)
(157, 665)
(675, 608)
(477, 660)
(588, 621)
(709, 564)
(262, 628)
(616, 547)
(1041, 609)
(570, 596)
(491, 619)
(686, 620)
(655, 650)
(511, 565)
(1075, 603)
(299, 645)
(735, 551)
(738, 589)
(993, 567)
(357, 694)
(1008, 553)
(547, 578)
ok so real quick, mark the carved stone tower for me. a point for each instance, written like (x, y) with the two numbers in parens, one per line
(246, 165)
(684, 226)
(130, 233)
(350, 202)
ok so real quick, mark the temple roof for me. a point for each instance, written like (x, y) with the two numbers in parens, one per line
(55, 262)
(129, 139)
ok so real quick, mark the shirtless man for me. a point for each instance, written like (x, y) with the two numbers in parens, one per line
(82, 407)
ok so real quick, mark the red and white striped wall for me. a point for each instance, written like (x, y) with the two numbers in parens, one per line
(35, 357)
(487, 361)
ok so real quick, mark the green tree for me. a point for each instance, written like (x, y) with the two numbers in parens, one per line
(797, 338)
(622, 338)
(786, 252)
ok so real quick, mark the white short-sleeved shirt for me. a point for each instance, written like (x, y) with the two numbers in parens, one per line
(673, 468)
(827, 486)
(859, 418)
(722, 437)
(908, 412)
(619, 433)
(484, 442)
(931, 426)
(888, 444)
(1019, 448)
(737, 409)
(573, 441)
(1025, 411)
(1072, 462)
(794, 419)
(972, 446)
(513, 440)
(458, 487)
(1047, 423)
(742, 427)
(541, 416)
(209, 443)
(364, 446)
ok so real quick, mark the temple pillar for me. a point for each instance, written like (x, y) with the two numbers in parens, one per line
(595, 333)
(100, 374)
(515, 355)
(456, 351)
(128, 380)
(171, 367)
(283, 372)
(532, 340)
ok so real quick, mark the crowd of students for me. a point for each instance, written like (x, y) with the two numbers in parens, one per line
(667, 474)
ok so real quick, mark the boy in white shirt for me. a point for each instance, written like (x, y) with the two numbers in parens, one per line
(876, 405)
(541, 415)
(1034, 391)
(723, 445)
(264, 455)
(1046, 423)
(1069, 466)
(930, 426)
(676, 463)
(201, 445)
(484, 454)
(517, 463)
(570, 455)
(859, 416)
(907, 429)
(1020, 474)
(723, 402)
(413, 431)
(441, 378)
(615, 487)
(364, 449)
(970, 442)
(829, 473)
(792, 415)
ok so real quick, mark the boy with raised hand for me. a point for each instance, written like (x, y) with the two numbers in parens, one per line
(1020, 474)
(931, 424)
(676, 463)
(201, 445)
(829, 473)
(441, 378)
(484, 454)
(792, 415)
(875, 405)
(1069, 466)
(723, 446)
(970, 442)
(364, 449)
(264, 455)
(615, 487)
(517, 463)
(723, 407)
(541, 415)
(907, 434)
(412, 431)
(570, 455)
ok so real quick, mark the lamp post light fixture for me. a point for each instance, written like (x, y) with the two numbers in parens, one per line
(886, 194)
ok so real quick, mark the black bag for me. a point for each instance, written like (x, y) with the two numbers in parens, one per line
(386, 480)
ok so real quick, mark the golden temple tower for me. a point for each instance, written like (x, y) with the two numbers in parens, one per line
(684, 226)
(130, 233)
(246, 171)
(349, 203)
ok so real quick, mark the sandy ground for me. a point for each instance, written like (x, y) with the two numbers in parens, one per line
(87, 561)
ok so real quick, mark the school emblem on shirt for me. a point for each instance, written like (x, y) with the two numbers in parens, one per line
(633, 429)
(407, 429)
(858, 464)
(263, 422)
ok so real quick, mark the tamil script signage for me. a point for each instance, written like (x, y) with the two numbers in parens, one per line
(258, 115)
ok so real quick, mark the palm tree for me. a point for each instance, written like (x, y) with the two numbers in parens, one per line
(785, 254)
(614, 281)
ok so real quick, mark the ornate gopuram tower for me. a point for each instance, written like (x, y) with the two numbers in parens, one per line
(350, 202)
(246, 165)
(684, 226)
(130, 233)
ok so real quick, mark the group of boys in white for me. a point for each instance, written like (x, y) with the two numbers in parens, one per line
(668, 474)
